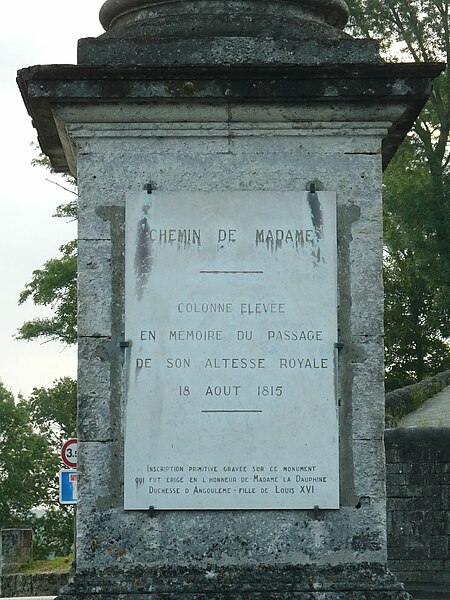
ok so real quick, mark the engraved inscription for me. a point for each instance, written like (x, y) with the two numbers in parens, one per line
(230, 311)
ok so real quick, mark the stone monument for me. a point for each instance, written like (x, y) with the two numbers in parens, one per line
(230, 421)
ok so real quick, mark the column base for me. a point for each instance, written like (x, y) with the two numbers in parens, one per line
(364, 581)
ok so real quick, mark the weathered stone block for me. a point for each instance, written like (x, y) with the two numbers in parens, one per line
(369, 466)
(368, 404)
(100, 472)
(240, 581)
(95, 284)
(33, 585)
(16, 549)
(100, 367)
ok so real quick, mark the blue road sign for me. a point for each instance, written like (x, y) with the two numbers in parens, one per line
(68, 486)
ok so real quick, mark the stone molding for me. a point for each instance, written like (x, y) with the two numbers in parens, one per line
(402, 89)
(116, 13)
(203, 32)
(371, 581)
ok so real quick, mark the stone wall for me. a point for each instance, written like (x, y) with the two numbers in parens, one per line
(407, 399)
(36, 584)
(418, 511)
(16, 549)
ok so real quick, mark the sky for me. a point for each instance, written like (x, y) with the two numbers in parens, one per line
(33, 33)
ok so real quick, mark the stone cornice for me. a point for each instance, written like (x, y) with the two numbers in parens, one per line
(405, 87)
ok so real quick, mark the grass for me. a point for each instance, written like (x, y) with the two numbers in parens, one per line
(60, 564)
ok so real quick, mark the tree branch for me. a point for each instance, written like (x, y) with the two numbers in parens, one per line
(61, 186)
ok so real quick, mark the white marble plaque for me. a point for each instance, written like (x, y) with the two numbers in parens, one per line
(230, 310)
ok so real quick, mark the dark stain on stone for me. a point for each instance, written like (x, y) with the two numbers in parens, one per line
(316, 214)
(180, 88)
(117, 88)
(365, 541)
(143, 258)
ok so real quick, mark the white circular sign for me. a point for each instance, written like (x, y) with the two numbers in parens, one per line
(69, 453)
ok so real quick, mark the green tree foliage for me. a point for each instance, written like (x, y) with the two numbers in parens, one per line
(417, 311)
(53, 411)
(27, 464)
(53, 414)
(55, 284)
(31, 435)
(417, 195)
(53, 532)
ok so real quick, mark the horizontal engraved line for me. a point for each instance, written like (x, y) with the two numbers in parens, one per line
(234, 272)
(232, 411)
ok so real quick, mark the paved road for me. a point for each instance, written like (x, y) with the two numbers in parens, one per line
(434, 413)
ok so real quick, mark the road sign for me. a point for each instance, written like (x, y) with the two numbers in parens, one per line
(69, 453)
(68, 493)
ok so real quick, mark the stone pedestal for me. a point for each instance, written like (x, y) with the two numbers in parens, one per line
(228, 96)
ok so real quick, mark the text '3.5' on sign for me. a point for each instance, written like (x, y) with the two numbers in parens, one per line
(69, 453)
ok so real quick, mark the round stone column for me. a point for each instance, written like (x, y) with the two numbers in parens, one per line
(217, 32)
(117, 13)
